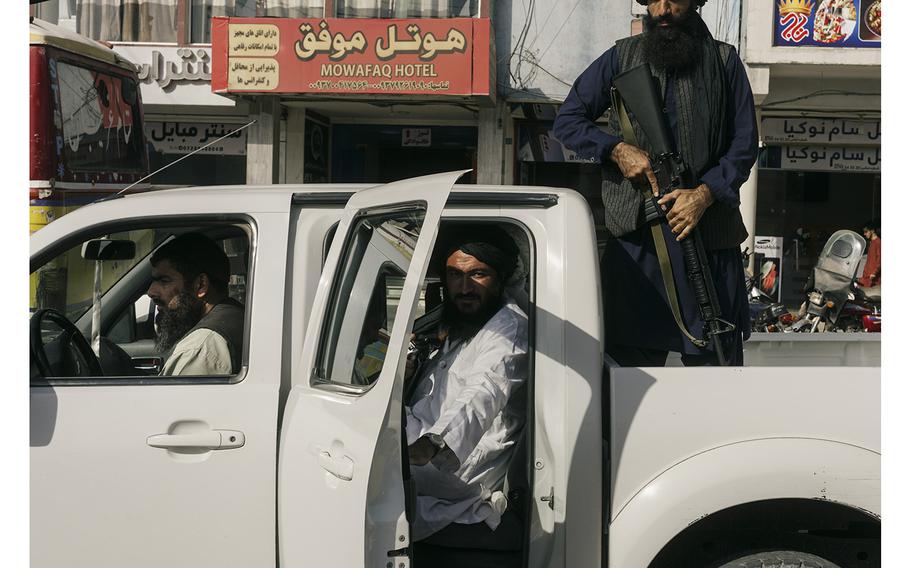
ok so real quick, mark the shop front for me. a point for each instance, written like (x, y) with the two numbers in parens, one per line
(357, 100)
(816, 176)
(183, 116)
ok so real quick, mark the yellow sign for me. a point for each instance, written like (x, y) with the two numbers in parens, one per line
(253, 39)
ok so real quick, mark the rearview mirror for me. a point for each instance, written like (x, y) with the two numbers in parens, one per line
(108, 249)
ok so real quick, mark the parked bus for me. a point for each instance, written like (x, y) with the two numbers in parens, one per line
(86, 137)
(86, 141)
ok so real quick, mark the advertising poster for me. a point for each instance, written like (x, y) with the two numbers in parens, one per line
(769, 253)
(828, 23)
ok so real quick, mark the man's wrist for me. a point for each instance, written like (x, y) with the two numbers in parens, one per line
(614, 152)
(705, 193)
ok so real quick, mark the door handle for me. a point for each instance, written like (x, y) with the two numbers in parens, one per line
(341, 467)
(211, 440)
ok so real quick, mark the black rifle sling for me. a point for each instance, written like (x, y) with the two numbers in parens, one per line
(660, 244)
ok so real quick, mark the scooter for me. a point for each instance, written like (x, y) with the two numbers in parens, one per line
(831, 288)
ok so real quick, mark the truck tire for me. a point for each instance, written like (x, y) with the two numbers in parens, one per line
(779, 559)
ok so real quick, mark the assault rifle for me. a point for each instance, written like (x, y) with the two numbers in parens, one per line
(637, 90)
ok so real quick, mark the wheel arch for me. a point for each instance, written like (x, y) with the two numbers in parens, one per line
(782, 473)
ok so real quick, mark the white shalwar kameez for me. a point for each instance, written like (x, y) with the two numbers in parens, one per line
(471, 397)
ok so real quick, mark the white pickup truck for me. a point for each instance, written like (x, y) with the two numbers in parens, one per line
(297, 461)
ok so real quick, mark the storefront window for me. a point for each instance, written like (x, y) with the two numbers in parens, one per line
(223, 162)
(805, 208)
(406, 8)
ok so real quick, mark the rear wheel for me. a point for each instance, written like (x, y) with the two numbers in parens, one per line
(779, 559)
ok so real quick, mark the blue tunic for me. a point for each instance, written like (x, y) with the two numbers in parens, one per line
(632, 283)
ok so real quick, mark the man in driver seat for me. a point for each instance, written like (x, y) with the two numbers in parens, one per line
(197, 322)
(466, 413)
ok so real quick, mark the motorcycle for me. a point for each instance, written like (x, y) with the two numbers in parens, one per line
(834, 301)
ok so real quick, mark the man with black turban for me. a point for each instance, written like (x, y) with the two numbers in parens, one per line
(711, 114)
(464, 416)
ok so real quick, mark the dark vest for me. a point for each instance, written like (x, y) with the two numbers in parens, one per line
(226, 319)
(704, 132)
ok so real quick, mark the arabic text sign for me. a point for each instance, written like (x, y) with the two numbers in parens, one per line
(800, 130)
(355, 56)
(829, 158)
(828, 23)
(174, 75)
(186, 137)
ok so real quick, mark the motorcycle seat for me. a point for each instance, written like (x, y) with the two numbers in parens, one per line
(872, 293)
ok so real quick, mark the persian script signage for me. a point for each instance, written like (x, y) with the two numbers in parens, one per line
(821, 131)
(186, 137)
(822, 158)
(353, 56)
(174, 75)
(828, 23)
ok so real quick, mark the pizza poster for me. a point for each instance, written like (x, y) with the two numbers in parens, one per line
(828, 23)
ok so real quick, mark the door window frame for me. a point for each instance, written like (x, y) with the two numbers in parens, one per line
(243, 221)
(328, 316)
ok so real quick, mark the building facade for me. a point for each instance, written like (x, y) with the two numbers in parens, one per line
(815, 69)
(421, 86)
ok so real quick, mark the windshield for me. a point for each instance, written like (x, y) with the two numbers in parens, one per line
(97, 117)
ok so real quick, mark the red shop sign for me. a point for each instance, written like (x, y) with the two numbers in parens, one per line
(432, 56)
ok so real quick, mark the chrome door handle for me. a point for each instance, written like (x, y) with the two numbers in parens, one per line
(211, 440)
(341, 467)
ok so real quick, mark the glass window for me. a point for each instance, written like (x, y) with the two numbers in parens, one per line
(293, 8)
(365, 297)
(137, 335)
(98, 114)
(202, 12)
(406, 8)
(128, 20)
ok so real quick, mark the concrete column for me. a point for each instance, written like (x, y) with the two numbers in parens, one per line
(262, 146)
(748, 204)
(748, 198)
(495, 139)
(296, 134)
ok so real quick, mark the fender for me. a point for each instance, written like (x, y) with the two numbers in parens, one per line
(739, 473)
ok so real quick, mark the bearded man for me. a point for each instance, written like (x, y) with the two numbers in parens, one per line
(466, 413)
(197, 322)
(711, 113)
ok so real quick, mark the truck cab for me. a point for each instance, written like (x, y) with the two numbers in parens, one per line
(299, 458)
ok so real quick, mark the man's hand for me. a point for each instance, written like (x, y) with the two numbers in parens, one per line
(634, 164)
(421, 451)
(688, 207)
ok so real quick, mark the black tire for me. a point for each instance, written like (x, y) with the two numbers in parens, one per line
(779, 559)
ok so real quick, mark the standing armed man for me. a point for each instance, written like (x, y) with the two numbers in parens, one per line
(710, 109)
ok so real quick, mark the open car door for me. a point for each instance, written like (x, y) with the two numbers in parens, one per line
(341, 494)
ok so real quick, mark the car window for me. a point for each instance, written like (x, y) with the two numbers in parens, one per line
(364, 300)
(66, 282)
(125, 335)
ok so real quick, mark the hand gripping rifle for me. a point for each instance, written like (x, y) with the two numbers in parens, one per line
(637, 90)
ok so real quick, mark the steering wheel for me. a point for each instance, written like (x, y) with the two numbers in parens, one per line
(86, 362)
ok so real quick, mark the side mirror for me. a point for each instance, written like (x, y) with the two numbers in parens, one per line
(107, 249)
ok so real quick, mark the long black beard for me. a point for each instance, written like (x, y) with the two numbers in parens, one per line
(173, 323)
(464, 326)
(676, 47)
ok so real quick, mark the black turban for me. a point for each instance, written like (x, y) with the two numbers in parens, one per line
(487, 243)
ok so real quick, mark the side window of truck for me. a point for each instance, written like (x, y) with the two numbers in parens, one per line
(92, 317)
(364, 299)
